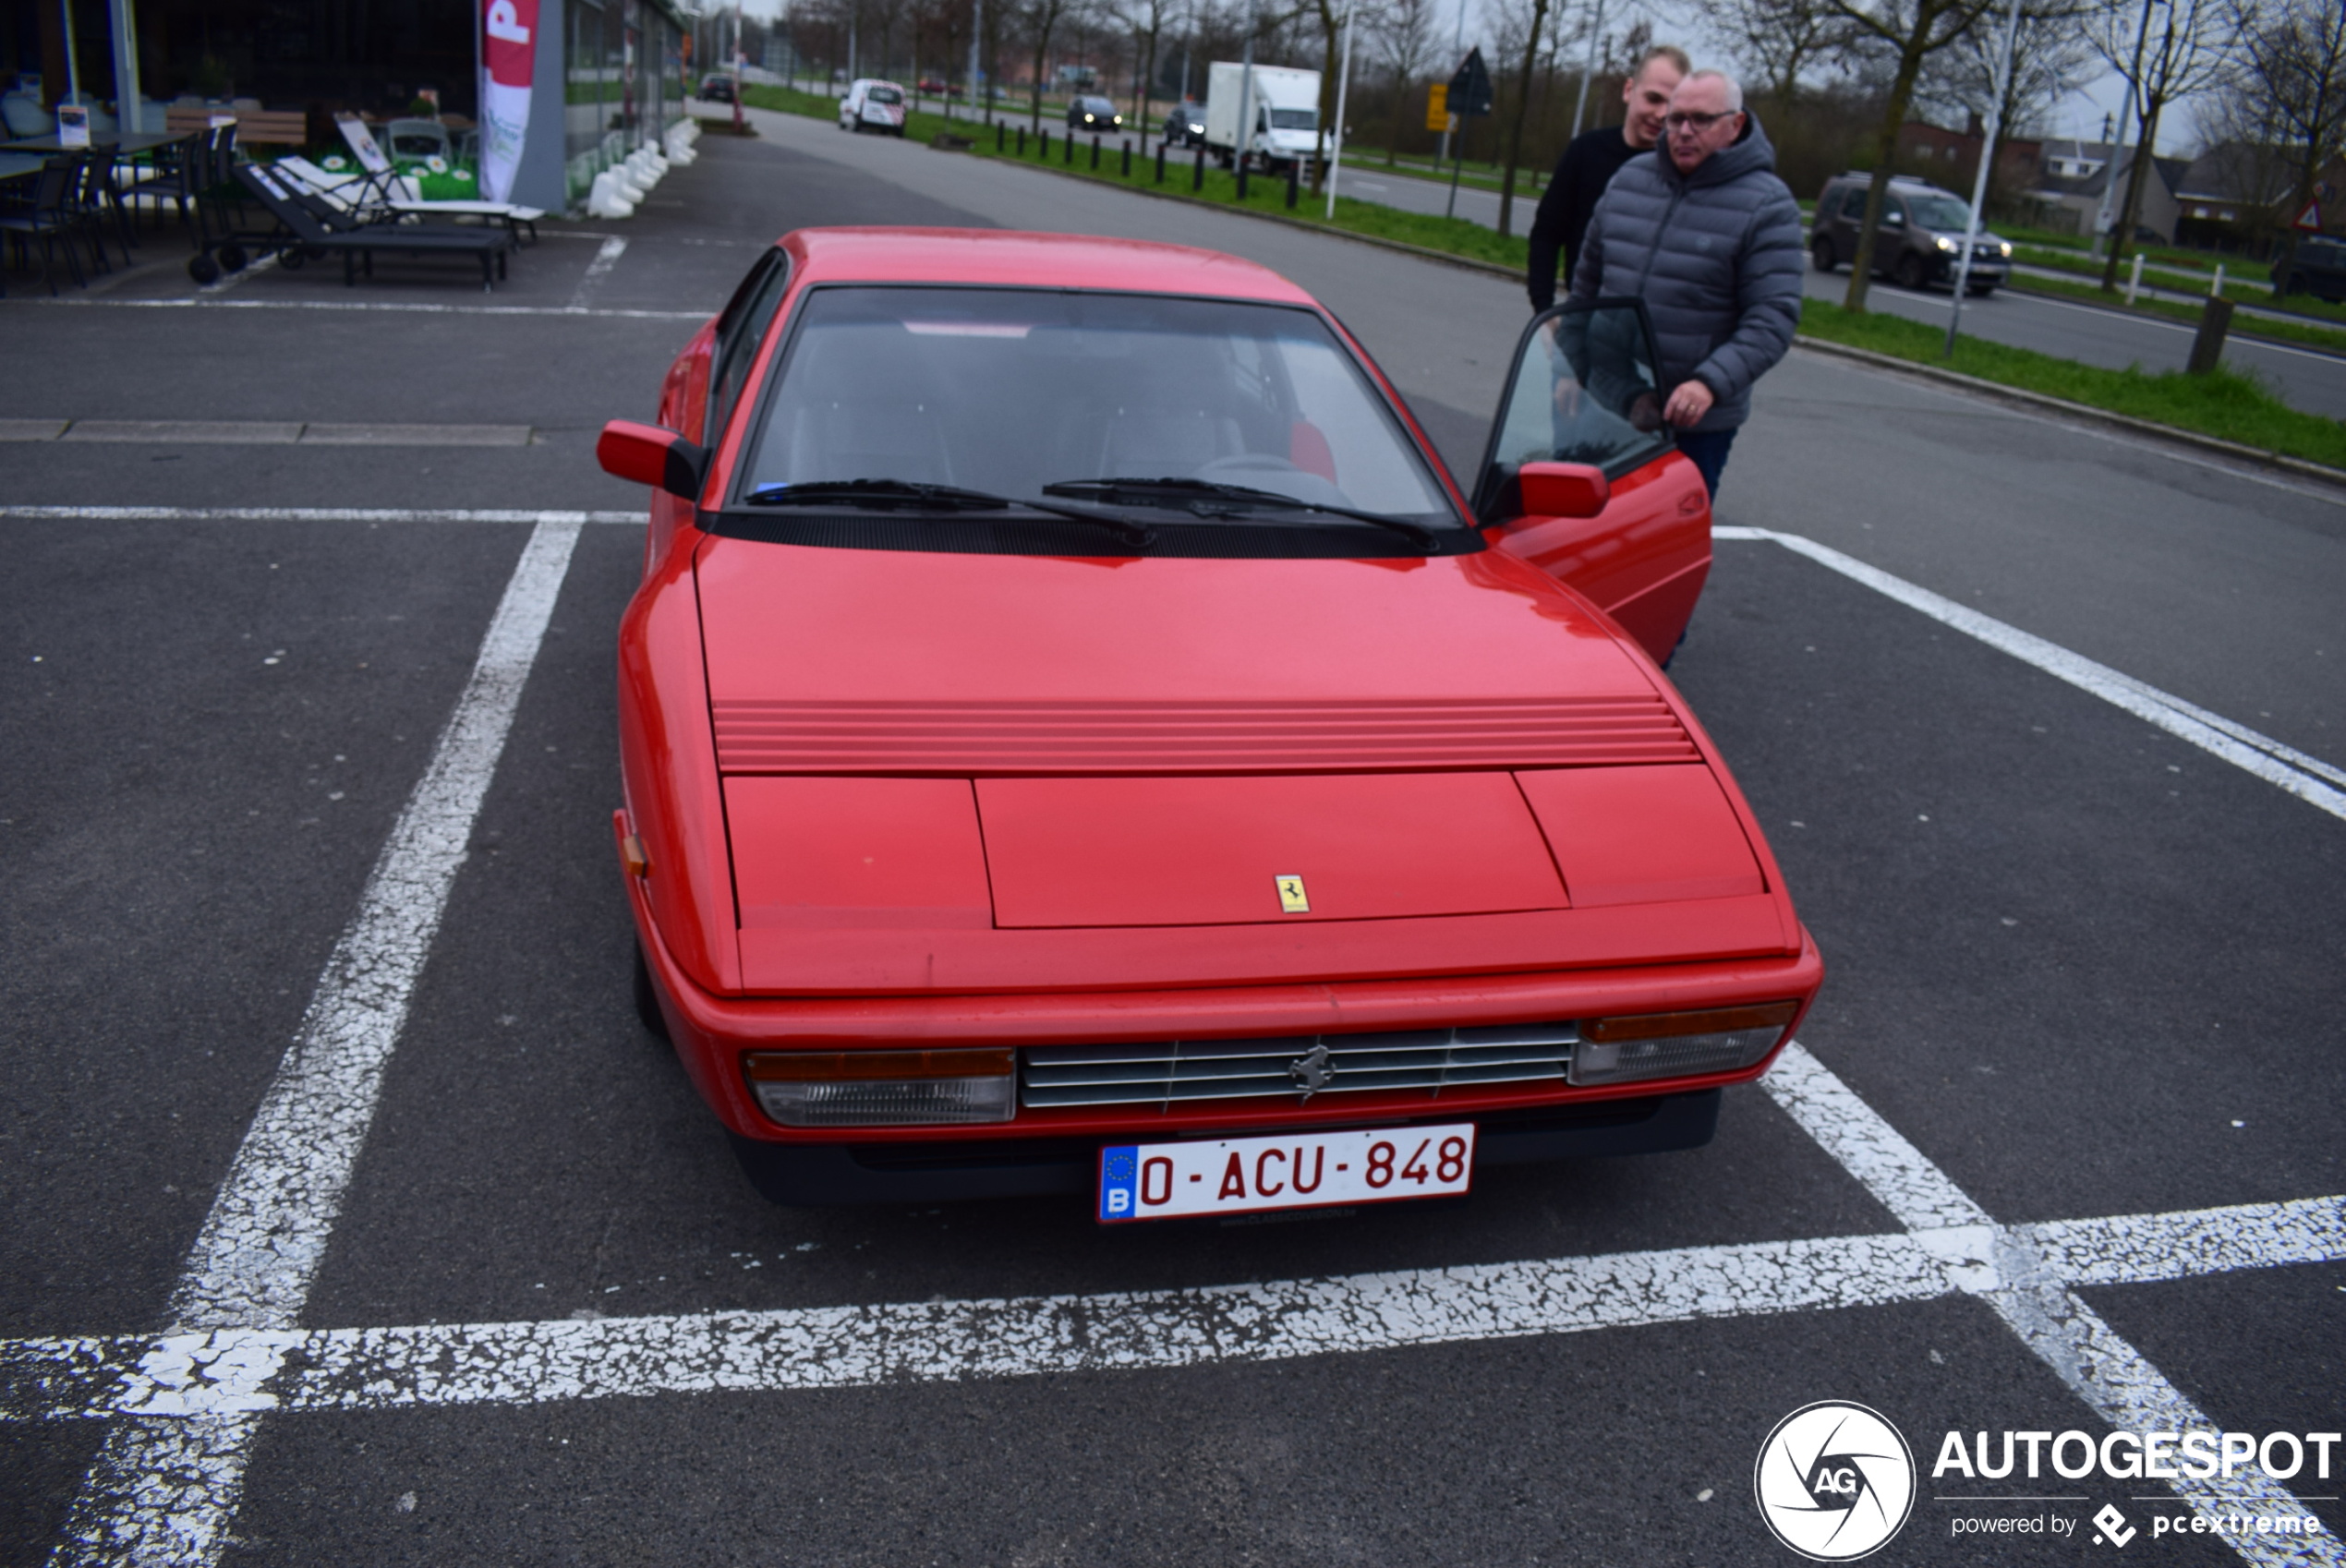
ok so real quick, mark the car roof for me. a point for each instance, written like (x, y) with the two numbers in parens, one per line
(999, 257)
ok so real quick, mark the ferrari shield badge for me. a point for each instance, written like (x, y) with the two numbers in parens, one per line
(1292, 897)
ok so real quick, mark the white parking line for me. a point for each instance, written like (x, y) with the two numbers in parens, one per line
(245, 1370)
(2307, 778)
(606, 258)
(2005, 1268)
(163, 1491)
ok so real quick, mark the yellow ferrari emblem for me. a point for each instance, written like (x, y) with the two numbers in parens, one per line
(1291, 898)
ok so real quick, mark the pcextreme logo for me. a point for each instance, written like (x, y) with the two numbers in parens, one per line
(1834, 1481)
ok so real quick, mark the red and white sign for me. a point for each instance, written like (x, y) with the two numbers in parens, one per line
(2310, 220)
(509, 62)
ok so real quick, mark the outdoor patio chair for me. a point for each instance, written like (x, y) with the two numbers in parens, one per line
(50, 219)
(401, 194)
(308, 226)
(25, 116)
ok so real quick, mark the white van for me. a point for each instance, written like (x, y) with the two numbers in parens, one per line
(1286, 114)
(872, 104)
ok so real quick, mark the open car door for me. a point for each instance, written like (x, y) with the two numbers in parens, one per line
(1582, 479)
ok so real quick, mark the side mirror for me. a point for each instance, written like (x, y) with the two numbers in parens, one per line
(650, 455)
(1562, 489)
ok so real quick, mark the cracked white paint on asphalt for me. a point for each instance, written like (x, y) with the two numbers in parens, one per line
(162, 1491)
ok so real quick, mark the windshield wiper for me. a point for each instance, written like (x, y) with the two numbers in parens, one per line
(894, 495)
(1188, 494)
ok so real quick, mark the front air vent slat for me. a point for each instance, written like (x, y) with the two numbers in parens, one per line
(1164, 1073)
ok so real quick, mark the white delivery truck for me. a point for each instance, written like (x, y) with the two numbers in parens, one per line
(1286, 114)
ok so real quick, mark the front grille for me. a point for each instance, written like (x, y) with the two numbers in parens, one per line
(1167, 1072)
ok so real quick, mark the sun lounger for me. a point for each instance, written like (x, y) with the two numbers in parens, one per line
(396, 193)
(310, 225)
(366, 197)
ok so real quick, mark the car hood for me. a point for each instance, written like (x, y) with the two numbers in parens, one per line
(943, 752)
(882, 661)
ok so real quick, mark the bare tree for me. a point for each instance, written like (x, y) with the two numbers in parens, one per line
(1908, 33)
(2290, 72)
(1779, 40)
(2179, 56)
(1042, 19)
(1522, 24)
(1404, 35)
(2053, 54)
(1146, 20)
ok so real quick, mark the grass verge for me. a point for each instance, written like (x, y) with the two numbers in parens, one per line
(2228, 405)
(2330, 339)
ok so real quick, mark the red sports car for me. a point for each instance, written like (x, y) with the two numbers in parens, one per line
(1077, 738)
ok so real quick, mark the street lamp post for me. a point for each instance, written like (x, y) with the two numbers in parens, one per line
(2000, 85)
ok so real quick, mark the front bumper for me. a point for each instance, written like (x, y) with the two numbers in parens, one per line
(1045, 1150)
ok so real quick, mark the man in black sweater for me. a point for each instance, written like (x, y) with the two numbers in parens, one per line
(1591, 162)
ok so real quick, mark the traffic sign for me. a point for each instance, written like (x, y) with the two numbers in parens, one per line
(2310, 220)
(1471, 87)
(1437, 106)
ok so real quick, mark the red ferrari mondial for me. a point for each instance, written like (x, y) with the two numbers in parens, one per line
(1077, 738)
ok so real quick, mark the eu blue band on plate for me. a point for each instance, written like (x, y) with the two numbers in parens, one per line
(1119, 1169)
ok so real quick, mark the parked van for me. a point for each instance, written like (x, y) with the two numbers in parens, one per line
(1920, 239)
(872, 104)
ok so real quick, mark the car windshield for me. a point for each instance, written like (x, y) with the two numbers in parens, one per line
(1943, 213)
(1010, 390)
(885, 95)
(1098, 106)
(1295, 119)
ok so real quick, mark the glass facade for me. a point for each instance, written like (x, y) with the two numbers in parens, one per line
(624, 83)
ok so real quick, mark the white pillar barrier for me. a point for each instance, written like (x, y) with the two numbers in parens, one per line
(608, 198)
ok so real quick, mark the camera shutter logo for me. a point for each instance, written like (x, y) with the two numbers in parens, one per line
(1834, 1481)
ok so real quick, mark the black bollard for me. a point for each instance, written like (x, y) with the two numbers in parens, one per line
(998, 128)
(1241, 177)
(1197, 169)
(1293, 168)
(1067, 152)
(2207, 343)
(1127, 157)
(1096, 152)
(1160, 163)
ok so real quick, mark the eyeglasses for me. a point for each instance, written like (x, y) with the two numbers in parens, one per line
(1682, 120)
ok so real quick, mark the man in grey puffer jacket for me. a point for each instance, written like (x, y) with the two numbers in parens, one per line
(1703, 231)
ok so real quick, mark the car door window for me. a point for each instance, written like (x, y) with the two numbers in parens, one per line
(1852, 206)
(1894, 214)
(1583, 390)
(740, 330)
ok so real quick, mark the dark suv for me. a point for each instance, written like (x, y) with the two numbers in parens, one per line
(2319, 269)
(1090, 113)
(1921, 235)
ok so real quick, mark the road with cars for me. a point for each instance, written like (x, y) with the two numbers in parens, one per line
(2043, 721)
(2306, 378)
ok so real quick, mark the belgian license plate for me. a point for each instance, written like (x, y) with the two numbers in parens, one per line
(1241, 1176)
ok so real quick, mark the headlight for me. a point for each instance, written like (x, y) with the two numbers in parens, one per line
(1946, 244)
(1622, 1050)
(2006, 248)
(884, 1088)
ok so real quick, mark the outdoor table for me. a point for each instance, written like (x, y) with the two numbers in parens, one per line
(99, 141)
(21, 165)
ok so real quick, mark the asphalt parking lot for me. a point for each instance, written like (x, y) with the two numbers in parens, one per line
(2085, 949)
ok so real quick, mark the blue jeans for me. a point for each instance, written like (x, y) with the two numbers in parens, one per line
(1707, 451)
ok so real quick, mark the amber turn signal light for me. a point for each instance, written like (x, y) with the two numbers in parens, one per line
(1650, 1045)
(632, 855)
